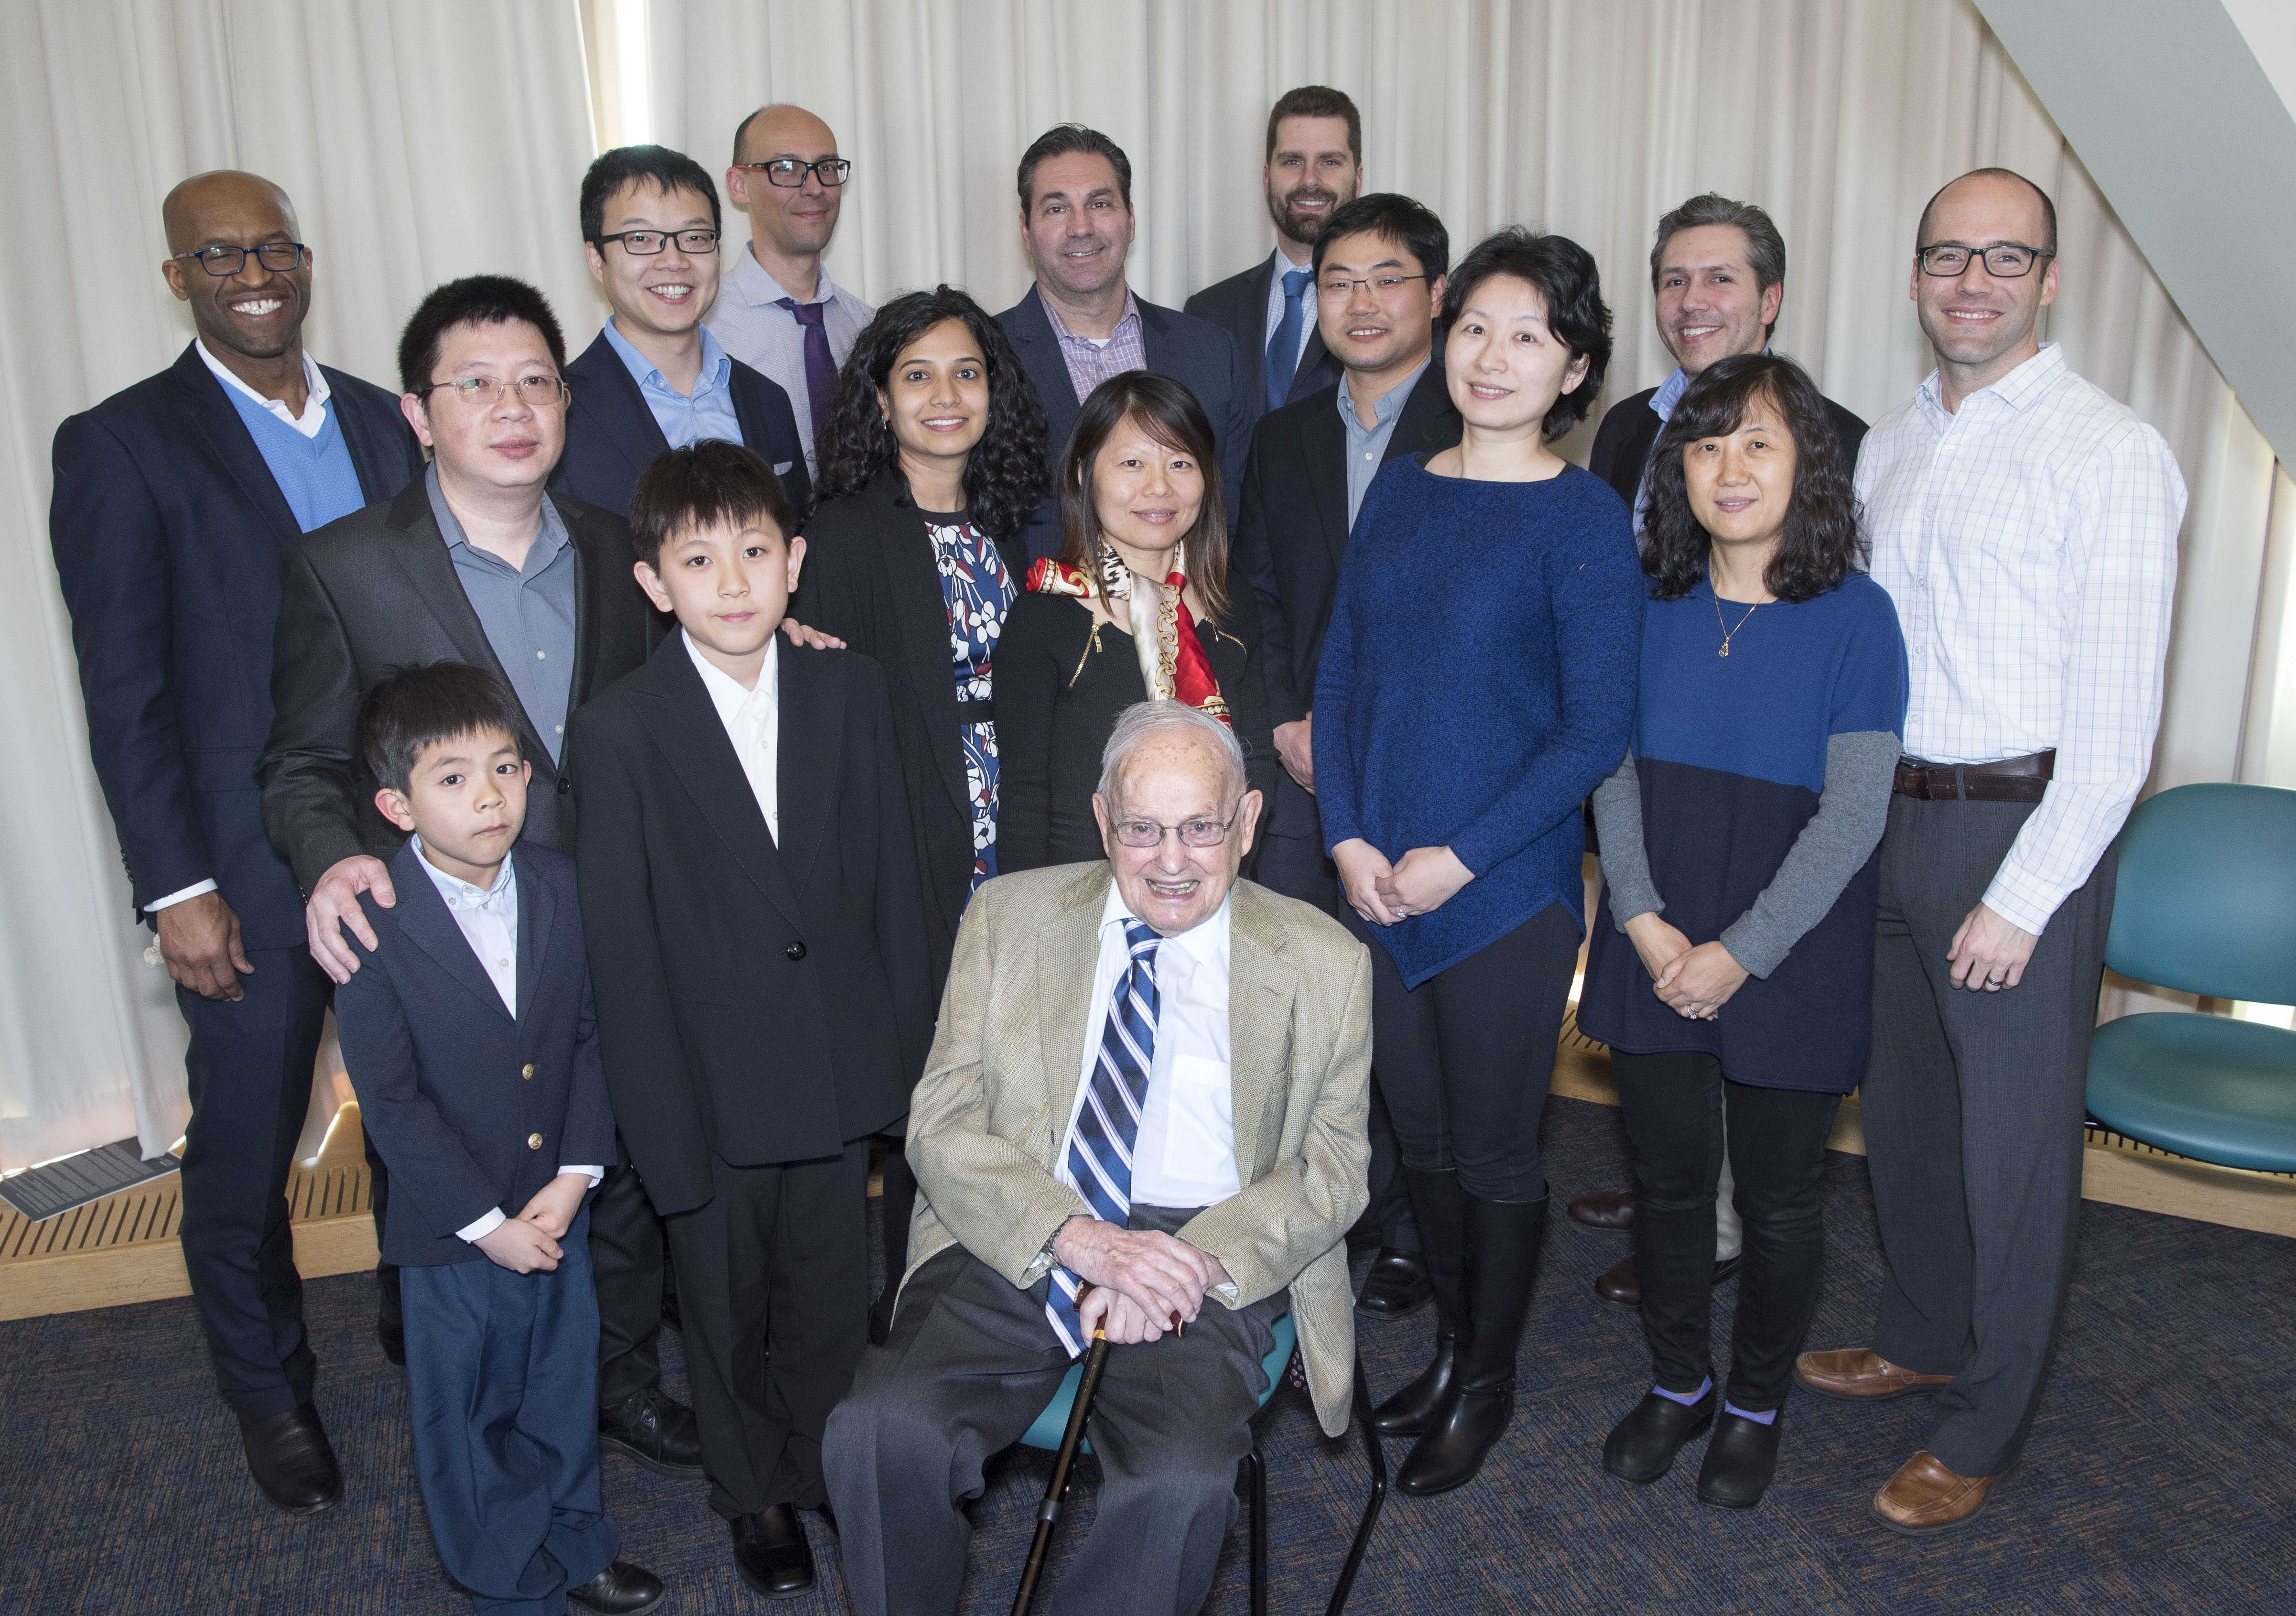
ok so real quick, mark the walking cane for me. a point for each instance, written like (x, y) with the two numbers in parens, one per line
(1057, 1489)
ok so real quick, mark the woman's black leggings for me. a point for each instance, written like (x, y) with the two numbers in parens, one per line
(1677, 1106)
(1465, 1058)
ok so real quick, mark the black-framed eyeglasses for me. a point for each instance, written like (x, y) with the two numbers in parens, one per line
(539, 391)
(1343, 286)
(2005, 262)
(1141, 834)
(789, 172)
(221, 261)
(647, 243)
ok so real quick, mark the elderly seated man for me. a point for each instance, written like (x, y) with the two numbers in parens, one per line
(1148, 1085)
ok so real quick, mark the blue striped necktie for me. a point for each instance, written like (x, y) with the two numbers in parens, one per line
(1098, 1164)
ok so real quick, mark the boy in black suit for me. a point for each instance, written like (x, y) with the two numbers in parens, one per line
(470, 1037)
(754, 899)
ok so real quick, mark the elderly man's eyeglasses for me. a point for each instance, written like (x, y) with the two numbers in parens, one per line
(1144, 833)
(647, 243)
(539, 391)
(221, 261)
(1344, 286)
(789, 172)
(2007, 262)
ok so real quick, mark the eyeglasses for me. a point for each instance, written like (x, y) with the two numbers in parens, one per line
(789, 172)
(2008, 262)
(647, 243)
(1342, 286)
(539, 391)
(1144, 833)
(222, 261)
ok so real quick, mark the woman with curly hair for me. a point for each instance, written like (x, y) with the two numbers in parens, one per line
(1731, 971)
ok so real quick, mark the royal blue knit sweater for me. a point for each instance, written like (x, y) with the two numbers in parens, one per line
(1478, 681)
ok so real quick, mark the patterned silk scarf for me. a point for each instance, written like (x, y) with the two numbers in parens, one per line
(1173, 666)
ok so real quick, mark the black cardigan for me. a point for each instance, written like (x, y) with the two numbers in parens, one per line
(1061, 682)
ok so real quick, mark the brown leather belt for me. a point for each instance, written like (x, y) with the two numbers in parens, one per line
(2010, 780)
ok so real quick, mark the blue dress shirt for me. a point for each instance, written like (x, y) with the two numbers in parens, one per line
(683, 420)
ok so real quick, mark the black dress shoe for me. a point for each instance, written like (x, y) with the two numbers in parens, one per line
(1741, 1457)
(1641, 1447)
(1397, 1285)
(658, 1433)
(771, 1554)
(1620, 1284)
(619, 1588)
(1610, 1210)
(291, 1460)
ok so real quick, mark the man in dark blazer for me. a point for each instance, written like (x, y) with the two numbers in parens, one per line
(1311, 463)
(1081, 324)
(656, 379)
(168, 519)
(473, 564)
(1314, 167)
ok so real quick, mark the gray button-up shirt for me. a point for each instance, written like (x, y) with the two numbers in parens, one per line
(528, 613)
(1367, 444)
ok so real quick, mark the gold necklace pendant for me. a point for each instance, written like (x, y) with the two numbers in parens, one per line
(1726, 629)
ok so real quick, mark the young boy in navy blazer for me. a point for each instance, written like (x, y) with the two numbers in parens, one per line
(470, 1037)
(754, 899)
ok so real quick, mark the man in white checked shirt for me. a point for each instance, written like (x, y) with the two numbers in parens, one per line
(1151, 1077)
(2025, 523)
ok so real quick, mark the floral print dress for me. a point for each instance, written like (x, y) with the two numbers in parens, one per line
(978, 590)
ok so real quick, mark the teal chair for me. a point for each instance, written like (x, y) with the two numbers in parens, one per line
(1053, 1423)
(2206, 903)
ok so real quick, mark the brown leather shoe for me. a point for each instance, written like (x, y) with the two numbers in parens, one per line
(1611, 1210)
(1618, 1282)
(1924, 1497)
(1860, 1374)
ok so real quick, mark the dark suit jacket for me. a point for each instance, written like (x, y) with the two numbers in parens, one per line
(870, 579)
(760, 1003)
(1238, 306)
(612, 435)
(1629, 432)
(451, 1089)
(376, 591)
(1200, 356)
(167, 530)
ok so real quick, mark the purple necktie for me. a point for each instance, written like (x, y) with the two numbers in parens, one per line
(820, 369)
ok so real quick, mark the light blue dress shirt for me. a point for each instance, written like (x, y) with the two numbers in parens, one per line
(528, 611)
(685, 421)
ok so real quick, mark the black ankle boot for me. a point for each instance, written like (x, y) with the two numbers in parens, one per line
(1440, 1209)
(1741, 1458)
(1499, 1268)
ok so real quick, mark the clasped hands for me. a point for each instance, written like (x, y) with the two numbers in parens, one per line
(1424, 879)
(1694, 981)
(1141, 1280)
(530, 1241)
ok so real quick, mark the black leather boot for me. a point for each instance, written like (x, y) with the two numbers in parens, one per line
(1500, 1269)
(1440, 1208)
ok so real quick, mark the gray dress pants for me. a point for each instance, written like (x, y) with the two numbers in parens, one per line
(1973, 1105)
(969, 1365)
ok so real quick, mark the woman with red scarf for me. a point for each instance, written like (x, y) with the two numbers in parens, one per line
(1136, 608)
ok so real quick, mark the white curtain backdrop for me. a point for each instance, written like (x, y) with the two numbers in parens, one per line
(426, 138)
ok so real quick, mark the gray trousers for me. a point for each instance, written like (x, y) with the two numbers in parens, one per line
(1972, 1107)
(969, 1365)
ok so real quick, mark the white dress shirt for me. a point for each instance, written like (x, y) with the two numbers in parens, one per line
(1185, 1153)
(751, 326)
(753, 722)
(488, 919)
(2030, 542)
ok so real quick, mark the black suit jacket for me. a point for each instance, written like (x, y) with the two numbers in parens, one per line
(452, 1090)
(1629, 432)
(377, 591)
(1238, 306)
(167, 530)
(1201, 357)
(612, 435)
(760, 1003)
(872, 580)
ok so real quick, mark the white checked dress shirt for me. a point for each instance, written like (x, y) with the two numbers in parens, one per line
(2030, 542)
(753, 722)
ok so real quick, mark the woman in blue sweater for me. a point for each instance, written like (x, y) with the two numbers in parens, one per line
(1478, 680)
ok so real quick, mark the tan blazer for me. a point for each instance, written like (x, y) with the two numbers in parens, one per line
(988, 1120)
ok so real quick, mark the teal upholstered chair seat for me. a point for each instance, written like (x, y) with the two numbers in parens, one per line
(1051, 1425)
(2203, 1086)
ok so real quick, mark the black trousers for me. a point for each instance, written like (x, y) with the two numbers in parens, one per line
(1679, 1109)
(773, 1283)
(1465, 1059)
(1972, 1107)
(249, 1068)
(626, 1258)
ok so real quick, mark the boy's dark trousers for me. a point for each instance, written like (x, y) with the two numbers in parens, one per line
(502, 1376)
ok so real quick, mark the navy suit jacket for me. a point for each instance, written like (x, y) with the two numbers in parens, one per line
(1200, 356)
(612, 435)
(1238, 306)
(167, 530)
(471, 1109)
(1629, 432)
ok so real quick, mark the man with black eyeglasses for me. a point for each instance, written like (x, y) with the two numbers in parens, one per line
(782, 313)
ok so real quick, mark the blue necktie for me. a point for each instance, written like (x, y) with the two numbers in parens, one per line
(1284, 346)
(1098, 1165)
